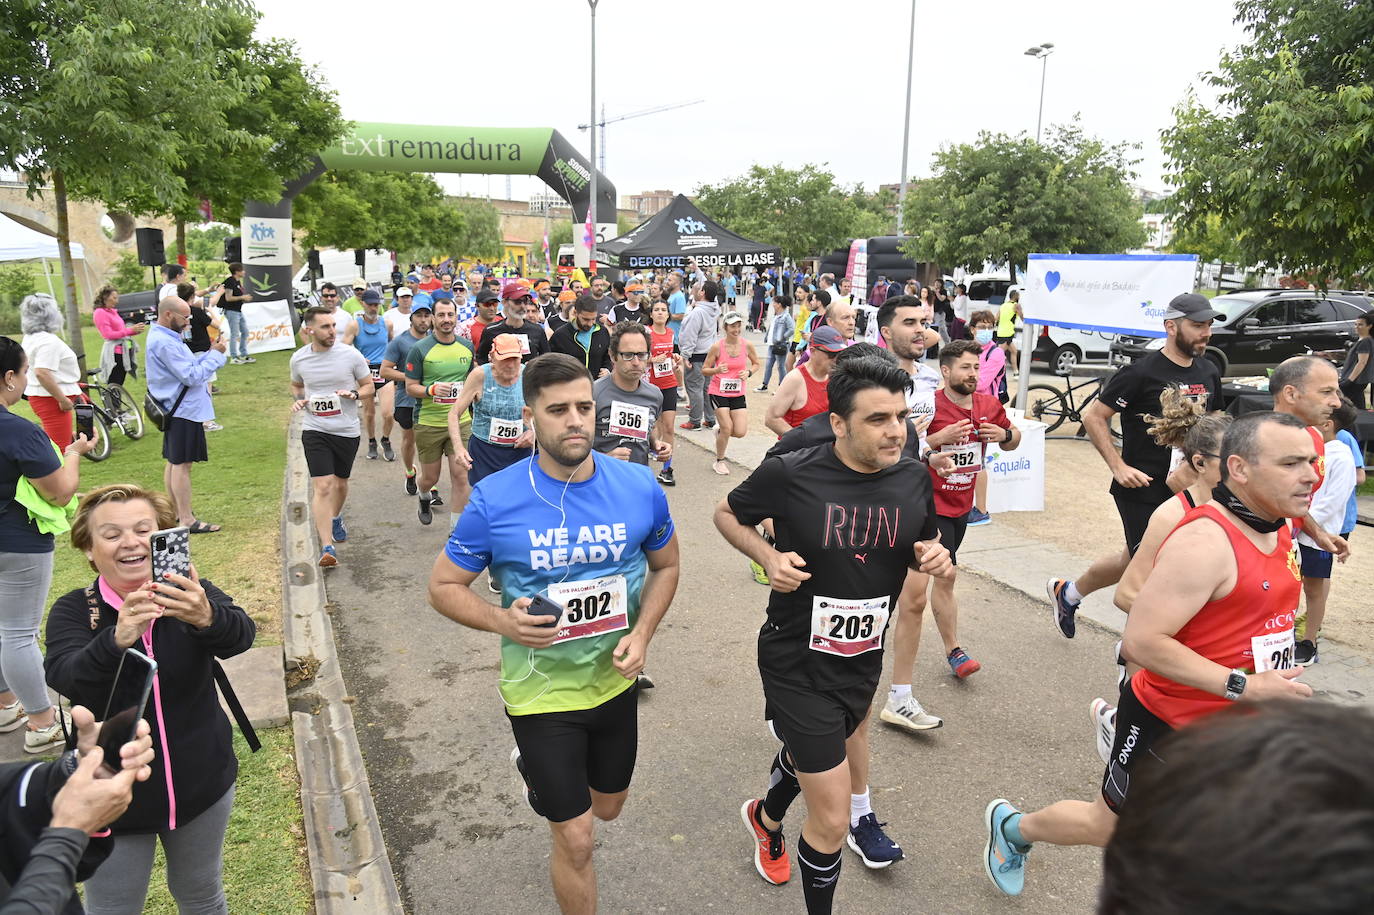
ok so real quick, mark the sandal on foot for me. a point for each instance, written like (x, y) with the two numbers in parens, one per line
(201, 527)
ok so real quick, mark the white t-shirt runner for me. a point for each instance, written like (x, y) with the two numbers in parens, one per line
(925, 381)
(339, 368)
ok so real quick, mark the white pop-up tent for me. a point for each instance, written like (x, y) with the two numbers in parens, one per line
(20, 243)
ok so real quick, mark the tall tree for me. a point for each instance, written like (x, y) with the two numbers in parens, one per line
(1003, 197)
(97, 100)
(1288, 160)
(802, 211)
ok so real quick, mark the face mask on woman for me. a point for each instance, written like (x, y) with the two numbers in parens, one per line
(984, 337)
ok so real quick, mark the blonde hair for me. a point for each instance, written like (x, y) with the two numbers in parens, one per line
(82, 537)
(1179, 413)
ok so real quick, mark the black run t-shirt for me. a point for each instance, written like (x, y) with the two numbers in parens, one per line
(1134, 392)
(856, 532)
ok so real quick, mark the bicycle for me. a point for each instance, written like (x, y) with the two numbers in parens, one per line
(114, 408)
(1047, 404)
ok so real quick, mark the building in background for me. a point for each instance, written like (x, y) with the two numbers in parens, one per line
(649, 203)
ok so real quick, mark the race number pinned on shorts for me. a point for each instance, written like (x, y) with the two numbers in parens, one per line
(591, 607)
(323, 404)
(1273, 651)
(968, 457)
(731, 386)
(630, 420)
(662, 366)
(506, 431)
(846, 628)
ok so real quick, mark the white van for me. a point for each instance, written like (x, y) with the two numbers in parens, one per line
(341, 269)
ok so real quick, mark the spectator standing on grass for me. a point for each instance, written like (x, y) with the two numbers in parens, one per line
(199, 342)
(53, 370)
(231, 303)
(28, 461)
(1358, 371)
(177, 380)
(119, 353)
(184, 623)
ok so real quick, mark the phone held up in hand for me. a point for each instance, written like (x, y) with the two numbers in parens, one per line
(85, 420)
(171, 552)
(133, 682)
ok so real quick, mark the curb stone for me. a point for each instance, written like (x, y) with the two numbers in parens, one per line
(349, 866)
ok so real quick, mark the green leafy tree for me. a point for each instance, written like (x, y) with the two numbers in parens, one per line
(1210, 239)
(206, 243)
(802, 211)
(97, 98)
(1288, 159)
(1004, 197)
(129, 275)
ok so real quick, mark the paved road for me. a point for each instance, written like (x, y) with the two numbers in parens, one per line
(436, 742)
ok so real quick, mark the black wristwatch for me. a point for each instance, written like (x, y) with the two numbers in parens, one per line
(1006, 439)
(1235, 685)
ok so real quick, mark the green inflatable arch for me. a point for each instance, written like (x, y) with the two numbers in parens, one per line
(379, 147)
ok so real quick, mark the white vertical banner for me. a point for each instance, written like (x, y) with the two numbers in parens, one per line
(269, 326)
(1016, 479)
(266, 241)
(1112, 293)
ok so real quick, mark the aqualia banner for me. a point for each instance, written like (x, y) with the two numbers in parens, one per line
(1112, 293)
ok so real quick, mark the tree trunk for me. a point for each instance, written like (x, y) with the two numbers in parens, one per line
(64, 253)
(1011, 267)
(181, 241)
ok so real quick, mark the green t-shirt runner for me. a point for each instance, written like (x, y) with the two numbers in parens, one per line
(431, 362)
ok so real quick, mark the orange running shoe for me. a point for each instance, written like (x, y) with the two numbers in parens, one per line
(770, 852)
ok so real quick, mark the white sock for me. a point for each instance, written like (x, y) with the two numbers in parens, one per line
(1071, 592)
(900, 692)
(859, 807)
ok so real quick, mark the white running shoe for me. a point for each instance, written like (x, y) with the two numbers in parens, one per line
(45, 740)
(1104, 728)
(12, 717)
(908, 715)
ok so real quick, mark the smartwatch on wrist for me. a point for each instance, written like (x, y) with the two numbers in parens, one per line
(1006, 438)
(1235, 685)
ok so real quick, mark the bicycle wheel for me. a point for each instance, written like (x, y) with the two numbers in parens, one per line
(125, 412)
(1046, 404)
(102, 439)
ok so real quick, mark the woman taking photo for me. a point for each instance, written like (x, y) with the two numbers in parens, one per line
(183, 623)
(26, 555)
(53, 370)
(119, 354)
(665, 372)
(729, 363)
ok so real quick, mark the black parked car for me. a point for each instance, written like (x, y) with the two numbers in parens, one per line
(1260, 328)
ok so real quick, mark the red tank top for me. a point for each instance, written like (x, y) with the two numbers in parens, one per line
(1249, 629)
(1187, 499)
(817, 400)
(662, 372)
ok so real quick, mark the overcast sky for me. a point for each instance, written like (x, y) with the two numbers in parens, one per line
(820, 87)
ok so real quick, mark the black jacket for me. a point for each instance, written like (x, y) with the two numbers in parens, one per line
(564, 340)
(197, 745)
(40, 866)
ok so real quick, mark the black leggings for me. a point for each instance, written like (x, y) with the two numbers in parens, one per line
(117, 374)
(1355, 392)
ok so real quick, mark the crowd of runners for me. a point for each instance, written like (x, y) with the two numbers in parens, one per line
(550, 412)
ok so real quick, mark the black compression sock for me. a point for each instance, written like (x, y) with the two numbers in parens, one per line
(820, 873)
(783, 788)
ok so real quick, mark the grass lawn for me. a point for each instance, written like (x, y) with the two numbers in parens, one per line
(266, 869)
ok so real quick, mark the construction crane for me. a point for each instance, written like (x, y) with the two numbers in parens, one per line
(625, 117)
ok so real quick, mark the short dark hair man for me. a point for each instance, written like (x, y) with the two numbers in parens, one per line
(584, 338)
(606, 553)
(627, 403)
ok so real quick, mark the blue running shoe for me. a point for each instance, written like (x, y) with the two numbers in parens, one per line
(871, 844)
(340, 532)
(1005, 866)
(328, 558)
(1057, 589)
(977, 518)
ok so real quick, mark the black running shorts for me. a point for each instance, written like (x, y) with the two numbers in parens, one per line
(669, 400)
(567, 755)
(733, 402)
(1135, 518)
(952, 531)
(405, 417)
(329, 455)
(814, 724)
(1137, 732)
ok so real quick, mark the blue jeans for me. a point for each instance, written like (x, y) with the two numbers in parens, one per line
(238, 333)
(780, 359)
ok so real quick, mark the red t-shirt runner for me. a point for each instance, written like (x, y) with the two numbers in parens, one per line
(954, 494)
(1250, 629)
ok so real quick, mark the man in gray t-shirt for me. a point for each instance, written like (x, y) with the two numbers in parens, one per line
(327, 380)
(627, 404)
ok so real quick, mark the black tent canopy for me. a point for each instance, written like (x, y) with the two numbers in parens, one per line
(680, 231)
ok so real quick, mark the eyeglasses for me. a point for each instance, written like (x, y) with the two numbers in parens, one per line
(640, 356)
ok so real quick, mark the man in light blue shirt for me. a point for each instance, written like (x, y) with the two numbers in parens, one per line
(178, 379)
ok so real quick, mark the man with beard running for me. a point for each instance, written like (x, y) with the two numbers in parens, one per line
(850, 518)
(1141, 469)
(436, 368)
(421, 319)
(591, 540)
(1212, 625)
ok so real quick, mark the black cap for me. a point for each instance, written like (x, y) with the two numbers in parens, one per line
(486, 295)
(1192, 307)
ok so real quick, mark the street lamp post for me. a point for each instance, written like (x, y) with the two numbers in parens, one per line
(591, 158)
(906, 124)
(1041, 52)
